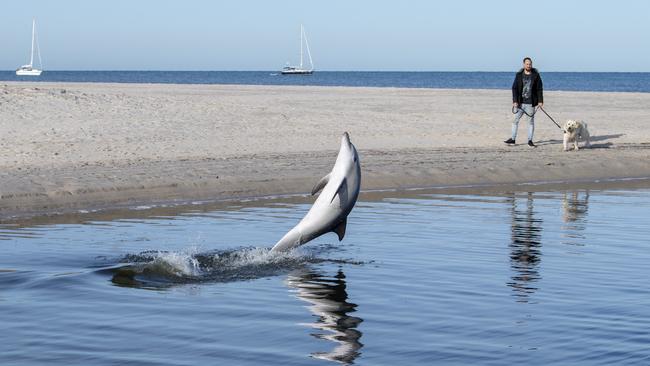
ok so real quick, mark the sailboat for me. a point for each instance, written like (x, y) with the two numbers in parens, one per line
(30, 70)
(300, 70)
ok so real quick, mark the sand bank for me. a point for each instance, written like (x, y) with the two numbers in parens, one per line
(70, 146)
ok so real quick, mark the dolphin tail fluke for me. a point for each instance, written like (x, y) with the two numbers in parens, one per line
(340, 229)
(289, 241)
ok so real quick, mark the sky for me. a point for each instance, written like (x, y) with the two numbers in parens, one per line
(344, 35)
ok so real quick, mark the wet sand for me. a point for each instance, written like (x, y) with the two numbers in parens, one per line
(82, 146)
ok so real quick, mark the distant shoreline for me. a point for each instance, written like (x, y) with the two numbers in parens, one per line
(81, 146)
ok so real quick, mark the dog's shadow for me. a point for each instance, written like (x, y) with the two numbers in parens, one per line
(605, 145)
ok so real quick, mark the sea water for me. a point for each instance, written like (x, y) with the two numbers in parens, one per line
(557, 277)
(566, 81)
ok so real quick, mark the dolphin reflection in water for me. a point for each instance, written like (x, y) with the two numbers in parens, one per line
(328, 302)
(326, 294)
(340, 190)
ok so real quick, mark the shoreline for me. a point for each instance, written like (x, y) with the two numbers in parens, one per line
(77, 146)
(158, 208)
(255, 181)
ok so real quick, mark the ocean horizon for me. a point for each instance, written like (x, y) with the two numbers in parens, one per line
(557, 81)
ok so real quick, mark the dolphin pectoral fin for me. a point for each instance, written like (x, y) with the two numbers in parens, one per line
(321, 183)
(342, 192)
(340, 229)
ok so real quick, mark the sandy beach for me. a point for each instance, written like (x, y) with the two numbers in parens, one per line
(72, 146)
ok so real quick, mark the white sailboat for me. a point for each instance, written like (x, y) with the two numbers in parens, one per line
(300, 70)
(30, 70)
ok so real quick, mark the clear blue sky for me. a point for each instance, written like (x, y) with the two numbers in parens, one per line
(416, 35)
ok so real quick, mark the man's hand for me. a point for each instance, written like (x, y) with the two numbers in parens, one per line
(515, 105)
(540, 105)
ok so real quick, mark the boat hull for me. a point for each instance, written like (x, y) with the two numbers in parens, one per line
(32, 72)
(297, 72)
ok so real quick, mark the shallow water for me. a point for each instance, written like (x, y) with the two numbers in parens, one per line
(542, 278)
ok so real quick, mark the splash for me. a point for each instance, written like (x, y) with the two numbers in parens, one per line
(155, 269)
(177, 264)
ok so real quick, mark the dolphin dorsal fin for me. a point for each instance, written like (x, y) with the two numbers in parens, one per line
(321, 183)
(340, 228)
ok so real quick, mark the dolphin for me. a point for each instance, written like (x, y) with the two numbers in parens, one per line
(340, 190)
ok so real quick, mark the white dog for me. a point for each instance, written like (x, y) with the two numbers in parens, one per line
(574, 130)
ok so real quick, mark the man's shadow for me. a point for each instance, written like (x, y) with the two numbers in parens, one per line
(605, 145)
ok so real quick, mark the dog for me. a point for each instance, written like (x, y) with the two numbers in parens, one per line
(574, 130)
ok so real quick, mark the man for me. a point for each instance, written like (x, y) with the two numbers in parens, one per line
(527, 93)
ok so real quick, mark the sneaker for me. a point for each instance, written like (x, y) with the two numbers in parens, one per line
(509, 141)
(530, 143)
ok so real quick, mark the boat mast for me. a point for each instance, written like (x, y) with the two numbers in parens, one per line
(31, 60)
(38, 52)
(301, 32)
(311, 63)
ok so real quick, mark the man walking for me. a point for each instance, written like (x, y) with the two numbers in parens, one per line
(527, 93)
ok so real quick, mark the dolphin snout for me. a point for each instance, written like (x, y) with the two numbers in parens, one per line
(346, 138)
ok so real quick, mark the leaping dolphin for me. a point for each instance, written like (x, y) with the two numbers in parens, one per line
(340, 190)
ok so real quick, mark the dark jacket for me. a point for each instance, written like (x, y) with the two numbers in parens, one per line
(518, 86)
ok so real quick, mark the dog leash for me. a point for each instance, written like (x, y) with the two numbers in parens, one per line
(515, 110)
(547, 115)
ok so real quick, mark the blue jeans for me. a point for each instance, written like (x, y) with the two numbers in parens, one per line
(531, 120)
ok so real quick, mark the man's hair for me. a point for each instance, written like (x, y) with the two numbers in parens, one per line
(527, 58)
